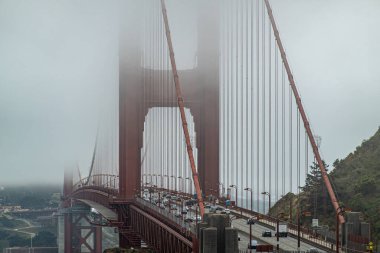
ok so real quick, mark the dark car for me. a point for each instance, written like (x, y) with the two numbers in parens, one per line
(251, 221)
(188, 220)
(267, 234)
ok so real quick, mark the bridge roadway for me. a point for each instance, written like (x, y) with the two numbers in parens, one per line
(305, 237)
(287, 244)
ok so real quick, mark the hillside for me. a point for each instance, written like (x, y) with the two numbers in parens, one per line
(356, 180)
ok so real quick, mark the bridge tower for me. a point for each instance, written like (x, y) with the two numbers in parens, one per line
(201, 94)
(200, 87)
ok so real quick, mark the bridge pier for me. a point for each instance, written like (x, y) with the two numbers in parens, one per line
(79, 232)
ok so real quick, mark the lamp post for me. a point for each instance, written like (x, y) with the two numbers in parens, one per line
(236, 190)
(221, 194)
(167, 182)
(160, 180)
(277, 232)
(191, 185)
(250, 190)
(179, 186)
(150, 175)
(268, 194)
(154, 175)
(159, 194)
(175, 183)
(31, 241)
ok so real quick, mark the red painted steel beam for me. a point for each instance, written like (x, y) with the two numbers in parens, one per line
(148, 224)
(182, 110)
(326, 180)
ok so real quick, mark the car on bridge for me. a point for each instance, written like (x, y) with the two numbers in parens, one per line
(251, 221)
(196, 218)
(267, 233)
(188, 219)
(252, 245)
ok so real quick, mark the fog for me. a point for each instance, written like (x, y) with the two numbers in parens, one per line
(59, 63)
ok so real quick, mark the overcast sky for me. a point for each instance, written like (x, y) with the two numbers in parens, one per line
(57, 57)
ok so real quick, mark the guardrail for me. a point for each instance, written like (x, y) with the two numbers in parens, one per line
(186, 227)
(100, 180)
(271, 222)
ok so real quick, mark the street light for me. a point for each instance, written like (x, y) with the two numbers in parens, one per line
(158, 175)
(31, 240)
(150, 175)
(277, 230)
(175, 183)
(181, 178)
(168, 181)
(236, 189)
(154, 175)
(266, 193)
(250, 190)
(221, 194)
(159, 195)
(191, 184)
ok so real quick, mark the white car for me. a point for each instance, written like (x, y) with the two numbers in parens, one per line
(227, 211)
(196, 218)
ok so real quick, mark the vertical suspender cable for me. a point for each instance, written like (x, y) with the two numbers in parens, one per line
(237, 100)
(247, 98)
(303, 115)
(263, 95)
(145, 145)
(229, 102)
(181, 106)
(258, 105)
(233, 85)
(270, 108)
(252, 100)
(283, 128)
(276, 121)
(306, 156)
(290, 141)
(242, 100)
(224, 95)
(298, 153)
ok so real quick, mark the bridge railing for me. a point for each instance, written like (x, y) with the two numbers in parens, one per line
(169, 215)
(108, 181)
(306, 234)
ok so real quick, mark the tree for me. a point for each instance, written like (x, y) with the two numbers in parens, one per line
(314, 178)
(314, 188)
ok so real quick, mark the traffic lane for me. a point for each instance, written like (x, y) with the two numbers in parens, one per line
(244, 240)
(286, 243)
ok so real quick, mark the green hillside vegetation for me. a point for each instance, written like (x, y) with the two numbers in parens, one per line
(9, 222)
(356, 180)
